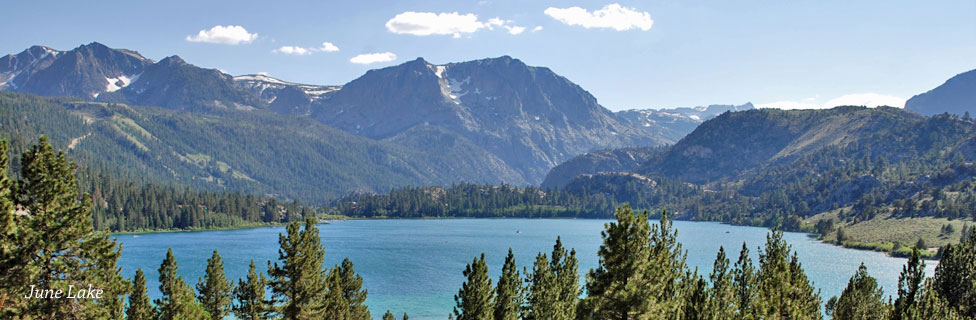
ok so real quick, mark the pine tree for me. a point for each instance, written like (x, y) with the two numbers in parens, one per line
(697, 305)
(52, 243)
(299, 284)
(10, 258)
(744, 285)
(640, 272)
(474, 299)
(784, 291)
(214, 289)
(140, 308)
(909, 286)
(722, 292)
(389, 315)
(861, 300)
(334, 304)
(508, 297)
(351, 288)
(931, 306)
(177, 301)
(542, 293)
(955, 276)
(250, 296)
(565, 269)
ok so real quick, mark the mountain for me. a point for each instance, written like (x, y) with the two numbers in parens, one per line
(284, 97)
(610, 160)
(956, 96)
(86, 71)
(529, 117)
(256, 152)
(675, 123)
(518, 119)
(889, 173)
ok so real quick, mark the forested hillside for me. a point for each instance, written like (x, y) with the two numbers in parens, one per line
(290, 158)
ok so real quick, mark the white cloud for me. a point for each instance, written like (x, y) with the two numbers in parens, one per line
(613, 16)
(537, 29)
(429, 23)
(866, 99)
(232, 35)
(515, 29)
(298, 51)
(446, 23)
(368, 58)
(328, 47)
(870, 100)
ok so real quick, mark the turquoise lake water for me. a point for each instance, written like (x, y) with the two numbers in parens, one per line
(415, 266)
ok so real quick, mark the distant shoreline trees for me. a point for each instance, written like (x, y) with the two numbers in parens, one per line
(47, 238)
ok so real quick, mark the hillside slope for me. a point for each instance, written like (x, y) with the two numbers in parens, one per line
(262, 153)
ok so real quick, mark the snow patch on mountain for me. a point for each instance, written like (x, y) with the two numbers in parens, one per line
(114, 84)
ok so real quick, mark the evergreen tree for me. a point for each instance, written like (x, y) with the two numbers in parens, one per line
(931, 306)
(214, 289)
(351, 287)
(542, 292)
(565, 269)
(51, 242)
(508, 297)
(744, 284)
(640, 272)
(909, 286)
(861, 300)
(140, 308)
(10, 258)
(784, 292)
(474, 299)
(299, 284)
(955, 276)
(722, 292)
(334, 304)
(250, 296)
(177, 301)
(389, 315)
(697, 304)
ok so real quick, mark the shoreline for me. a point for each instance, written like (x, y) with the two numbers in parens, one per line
(812, 235)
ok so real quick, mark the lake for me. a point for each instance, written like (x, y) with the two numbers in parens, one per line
(415, 266)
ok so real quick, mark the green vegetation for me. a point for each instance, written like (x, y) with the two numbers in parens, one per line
(48, 239)
(642, 275)
(251, 152)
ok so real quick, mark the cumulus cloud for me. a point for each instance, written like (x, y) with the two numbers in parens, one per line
(870, 100)
(232, 35)
(369, 58)
(429, 23)
(328, 47)
(515, 29)
(537, 29)
(300, 51)
(612, 16)
(446, 23)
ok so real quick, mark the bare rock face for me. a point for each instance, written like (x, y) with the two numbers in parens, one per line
(529, 117)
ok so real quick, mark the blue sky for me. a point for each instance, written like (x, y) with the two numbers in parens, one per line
(629, 54)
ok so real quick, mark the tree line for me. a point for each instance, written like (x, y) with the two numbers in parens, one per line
(126, 205)
(642, 274)
(48, 240)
